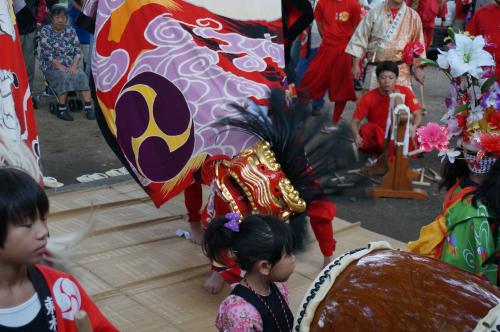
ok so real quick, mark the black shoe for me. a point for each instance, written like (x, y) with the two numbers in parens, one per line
(64, 115)
(89, 113)
(316, 110)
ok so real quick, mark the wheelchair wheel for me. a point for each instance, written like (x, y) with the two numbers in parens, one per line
(72, 105)
(79, 105)
(52, 108)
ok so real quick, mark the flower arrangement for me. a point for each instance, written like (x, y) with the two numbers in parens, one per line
(473, 107)
(412, 50)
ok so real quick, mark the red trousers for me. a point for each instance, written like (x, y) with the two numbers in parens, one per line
(373, 139)
(428, 34)
(321, 214)
(329, 70)
(193, 200)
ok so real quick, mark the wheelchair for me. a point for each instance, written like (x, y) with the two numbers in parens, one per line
(74, 103)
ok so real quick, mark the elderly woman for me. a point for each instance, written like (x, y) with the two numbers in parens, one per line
(59, 57)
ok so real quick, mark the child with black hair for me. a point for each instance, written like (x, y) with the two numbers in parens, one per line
(263, 246)
(34, 297)
(466, 233)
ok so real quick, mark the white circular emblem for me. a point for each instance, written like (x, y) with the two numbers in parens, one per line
(67, 296)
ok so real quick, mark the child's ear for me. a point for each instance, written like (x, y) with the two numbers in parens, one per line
(264, 267)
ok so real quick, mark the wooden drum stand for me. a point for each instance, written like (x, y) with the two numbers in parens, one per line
(397, 181)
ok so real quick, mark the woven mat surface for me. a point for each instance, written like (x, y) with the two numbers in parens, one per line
(144, 277)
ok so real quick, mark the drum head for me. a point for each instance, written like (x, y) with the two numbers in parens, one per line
(381, 289)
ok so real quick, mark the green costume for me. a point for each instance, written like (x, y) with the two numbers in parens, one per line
(464, 235)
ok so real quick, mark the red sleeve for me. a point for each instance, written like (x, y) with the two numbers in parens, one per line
(362, 107)
(97, 320)
(410, 100)
(356, 13)
(472, 27)
(318, 11)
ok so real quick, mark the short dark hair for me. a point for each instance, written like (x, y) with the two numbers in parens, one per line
(453, 172)
(259, 238)
(21, 199)
(387, 66)
(488, 191)
(58, 9)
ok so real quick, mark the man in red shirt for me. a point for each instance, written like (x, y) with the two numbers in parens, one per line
(374, 106)
(330, 68)
(486, 22)
(428, 10)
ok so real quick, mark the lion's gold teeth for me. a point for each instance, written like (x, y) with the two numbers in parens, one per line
(266, 155)
(226, 194)
(291, 196)
(256, 175)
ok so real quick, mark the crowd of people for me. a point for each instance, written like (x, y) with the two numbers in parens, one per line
(372, 48)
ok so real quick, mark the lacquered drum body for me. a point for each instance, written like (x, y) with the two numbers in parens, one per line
(392, 290)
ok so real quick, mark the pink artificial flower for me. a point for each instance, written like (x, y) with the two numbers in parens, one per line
(433, 136)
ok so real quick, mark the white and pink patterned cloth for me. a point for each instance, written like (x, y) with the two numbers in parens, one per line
(237, 315)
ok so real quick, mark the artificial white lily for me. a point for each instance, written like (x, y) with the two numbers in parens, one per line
(453, 128)
(448, 115)
(442, 59)
(476, 114)
(451, 154)
(467, 57)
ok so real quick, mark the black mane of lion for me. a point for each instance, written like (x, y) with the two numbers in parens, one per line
(308, 157)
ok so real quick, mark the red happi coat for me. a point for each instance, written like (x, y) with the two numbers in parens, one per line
(17, 118)
(68, 297)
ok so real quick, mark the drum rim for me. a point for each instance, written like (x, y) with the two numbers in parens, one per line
(325, 279)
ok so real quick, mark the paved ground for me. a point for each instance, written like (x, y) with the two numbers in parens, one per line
(70, 149)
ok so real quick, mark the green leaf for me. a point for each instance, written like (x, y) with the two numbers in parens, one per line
(429, 62)
(461, 108)
(488, 83)
(451, 34)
